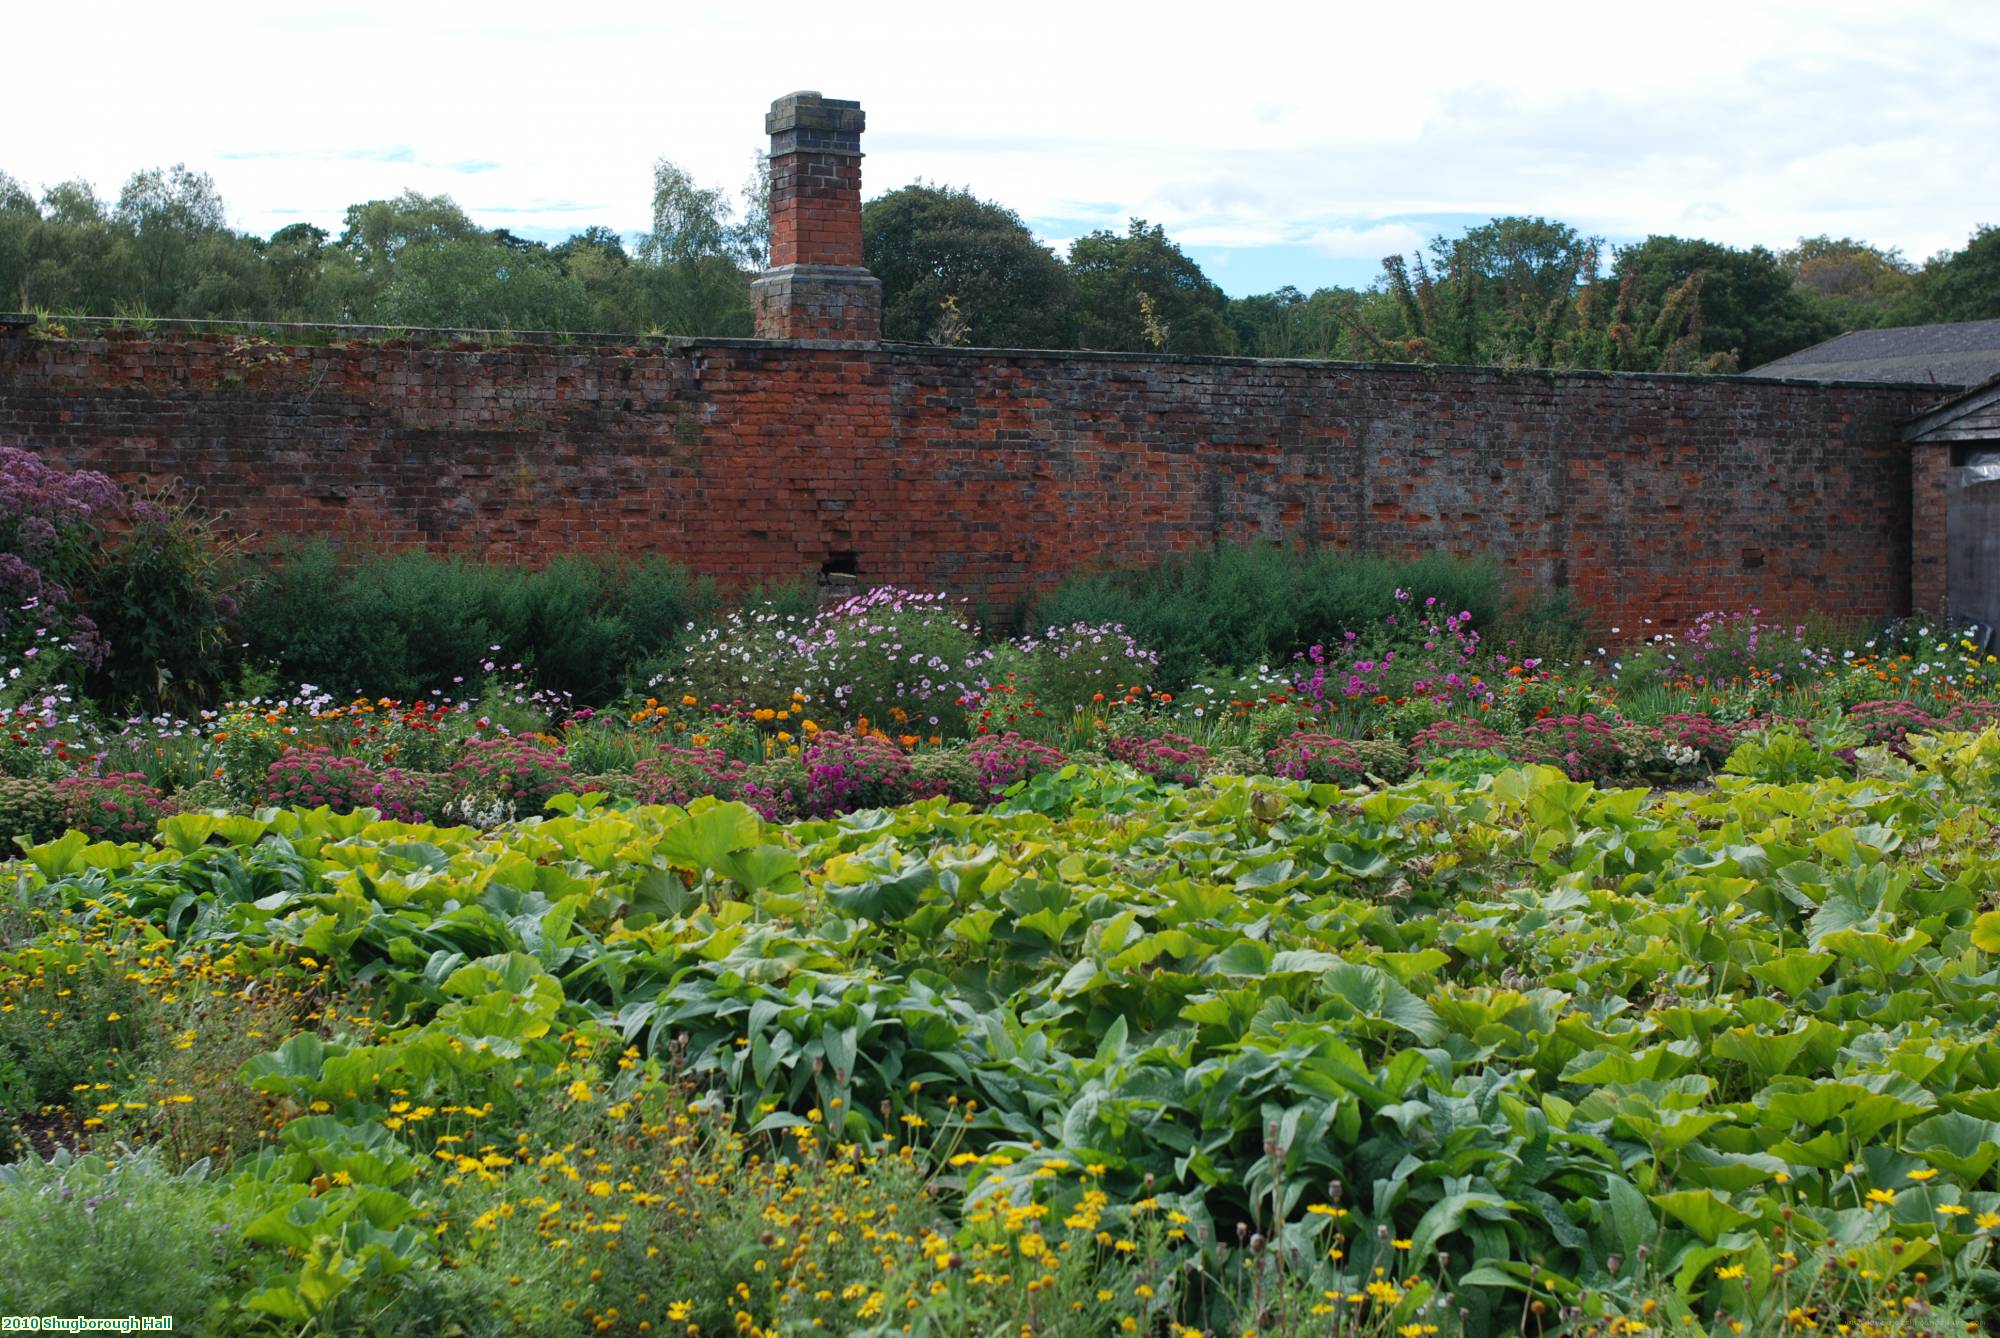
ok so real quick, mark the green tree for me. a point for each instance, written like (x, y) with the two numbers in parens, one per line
(1960, 285)
(170, 215)
(295, 258)
(1141, 292)
(753, 234)
(1290, 324)
(930, 244)
(597, 259)
(1855, 284)
(75, 260)
(482, 284)
(20, 220)
(1750, 308)
(689, 278)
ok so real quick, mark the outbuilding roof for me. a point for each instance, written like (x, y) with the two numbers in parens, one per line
(1961, 353)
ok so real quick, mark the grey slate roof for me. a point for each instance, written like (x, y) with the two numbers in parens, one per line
(1963, 353)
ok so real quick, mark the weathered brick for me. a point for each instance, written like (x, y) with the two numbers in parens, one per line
(993, 473)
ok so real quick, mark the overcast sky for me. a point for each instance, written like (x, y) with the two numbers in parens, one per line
(1279, 144)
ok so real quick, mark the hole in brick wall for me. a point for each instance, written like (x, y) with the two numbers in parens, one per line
(839, 564)
(1753, 558)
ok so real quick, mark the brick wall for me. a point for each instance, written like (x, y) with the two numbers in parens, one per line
(1930, 468)
(992, 473)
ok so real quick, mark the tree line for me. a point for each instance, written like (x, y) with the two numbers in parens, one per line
(957, 269)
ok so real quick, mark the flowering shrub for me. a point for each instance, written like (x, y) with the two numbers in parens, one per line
(1722, 648)
(310, 777)
(1420, 654)
(120, 806)
(1585, 746)
(1174, 758)
(1709, 739)
(892, 656)
(1972, 716)
(1325, 758)
(1070, 665)
(413, 796)
(949, 772)
(1457, 736)
(1889, 722)
(48, 527)
(1000, 760)
(845, 772)
(777, 789)
(511, 771)
(895, 657)
(680, 775)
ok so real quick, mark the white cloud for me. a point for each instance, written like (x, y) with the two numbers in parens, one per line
(1325, 125)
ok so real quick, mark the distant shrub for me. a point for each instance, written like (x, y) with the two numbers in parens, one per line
(31, 809)
(777, 789)
(164, 595)
(1889, 722)
(50, 526)
(1711, 740)
(845, 772)
(310, 777)
(1457, 736)
(1000, 760)
(950, 772)
(404, 625)
(1327, 759)
(681, 775)
(1586, 746)
(1242, 606)
(516, 772)
(900, 659)
(121, 806)
(1065, 667)
(1174, 758)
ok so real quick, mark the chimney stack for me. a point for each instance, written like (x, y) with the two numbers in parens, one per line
(817, 287)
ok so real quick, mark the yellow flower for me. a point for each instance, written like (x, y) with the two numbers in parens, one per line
(1928, 1173)
(1730, 1273)
(1881, 1196)
(1987, 1221)
(579, 1090)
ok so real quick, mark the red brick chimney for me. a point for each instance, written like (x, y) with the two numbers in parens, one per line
(817, 287)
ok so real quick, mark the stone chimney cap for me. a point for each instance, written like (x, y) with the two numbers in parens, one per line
(808, 111)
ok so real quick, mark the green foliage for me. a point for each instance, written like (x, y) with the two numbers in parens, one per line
(1242, 606)
(164, 595)
(407, 624)
(479, 284)
(30, 811)
(1524, 1023)
(95, 1236)
(1858, 285)
(1751, 311)
(1782, 756)
(1961, 285)
(929, 245)
(1141, 293)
